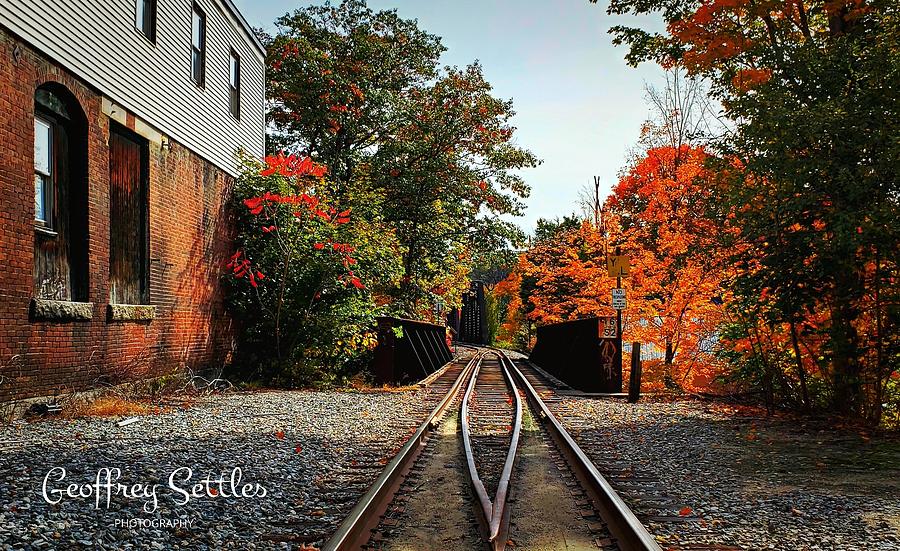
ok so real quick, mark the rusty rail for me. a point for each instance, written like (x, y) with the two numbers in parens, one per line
(494, 513)
(354, 531)
(621, 522)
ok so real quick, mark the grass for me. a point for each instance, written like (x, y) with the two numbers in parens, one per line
(108, 406)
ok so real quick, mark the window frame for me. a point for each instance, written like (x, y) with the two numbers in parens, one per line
(197, 11)
(46, 224)
(138, 22)
(234, 88)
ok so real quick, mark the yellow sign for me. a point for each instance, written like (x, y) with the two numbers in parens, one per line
(618, 266)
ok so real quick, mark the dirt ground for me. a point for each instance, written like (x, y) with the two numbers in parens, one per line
(544, 514)
(440, 511)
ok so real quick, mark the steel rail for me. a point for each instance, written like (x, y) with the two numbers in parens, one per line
(621, 522)
(493, 512)
(353, 533)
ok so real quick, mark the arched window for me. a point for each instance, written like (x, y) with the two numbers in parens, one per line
(60, 196)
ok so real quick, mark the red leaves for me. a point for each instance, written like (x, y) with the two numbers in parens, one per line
(241, 269)
(292, 166)
(255, 204)
(304, 209)
(258, 204)
(290, 49)
(747, 79)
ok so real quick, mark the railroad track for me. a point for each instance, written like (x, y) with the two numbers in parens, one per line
(491, 392)
(491, 422)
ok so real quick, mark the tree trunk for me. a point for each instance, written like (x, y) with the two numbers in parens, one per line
(877, 411)
(668, 378)
(845, 360)
(801, 372)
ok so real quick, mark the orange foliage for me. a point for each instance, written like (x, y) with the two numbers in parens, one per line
(660, 208)
(657, 216)
(509, 289)
(733, 34)
(570, 277)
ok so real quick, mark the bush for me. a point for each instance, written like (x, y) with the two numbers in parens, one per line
(296, 282)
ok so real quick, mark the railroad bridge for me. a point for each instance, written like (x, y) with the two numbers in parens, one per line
(584, 354)
(470, 321)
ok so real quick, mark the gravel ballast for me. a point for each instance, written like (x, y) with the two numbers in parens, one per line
(748, 482)
(314, 453)
(729, 478)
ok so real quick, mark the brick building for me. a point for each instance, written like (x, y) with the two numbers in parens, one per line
(124, 118)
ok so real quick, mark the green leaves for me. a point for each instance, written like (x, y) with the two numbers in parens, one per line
(362, 92)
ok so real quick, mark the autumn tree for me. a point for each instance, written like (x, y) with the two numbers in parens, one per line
(514, 330)
(660, 207)
(564, 275)
(811, 89)
(361, 91)
(298, 282)
(337, 76)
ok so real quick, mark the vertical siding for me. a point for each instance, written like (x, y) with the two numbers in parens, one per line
(97, 40)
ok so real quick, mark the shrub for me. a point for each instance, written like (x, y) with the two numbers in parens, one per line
(295, 284)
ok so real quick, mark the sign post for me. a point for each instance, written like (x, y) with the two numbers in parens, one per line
(618, 266)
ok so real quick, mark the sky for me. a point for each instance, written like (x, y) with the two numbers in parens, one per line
(579, 106)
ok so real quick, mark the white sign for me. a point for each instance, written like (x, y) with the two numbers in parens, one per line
(618, 299)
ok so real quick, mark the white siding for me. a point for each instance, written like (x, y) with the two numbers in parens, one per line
(97, 41)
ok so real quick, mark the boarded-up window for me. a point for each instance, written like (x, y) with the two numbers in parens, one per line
(128, 236)
(60, 196)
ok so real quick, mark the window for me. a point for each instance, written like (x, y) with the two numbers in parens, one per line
(60, 196)
(43, 171)
(234, 84)
(128, 216)
(198, 45)
(145, 18)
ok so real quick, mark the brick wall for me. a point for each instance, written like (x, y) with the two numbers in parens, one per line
(189, 240)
